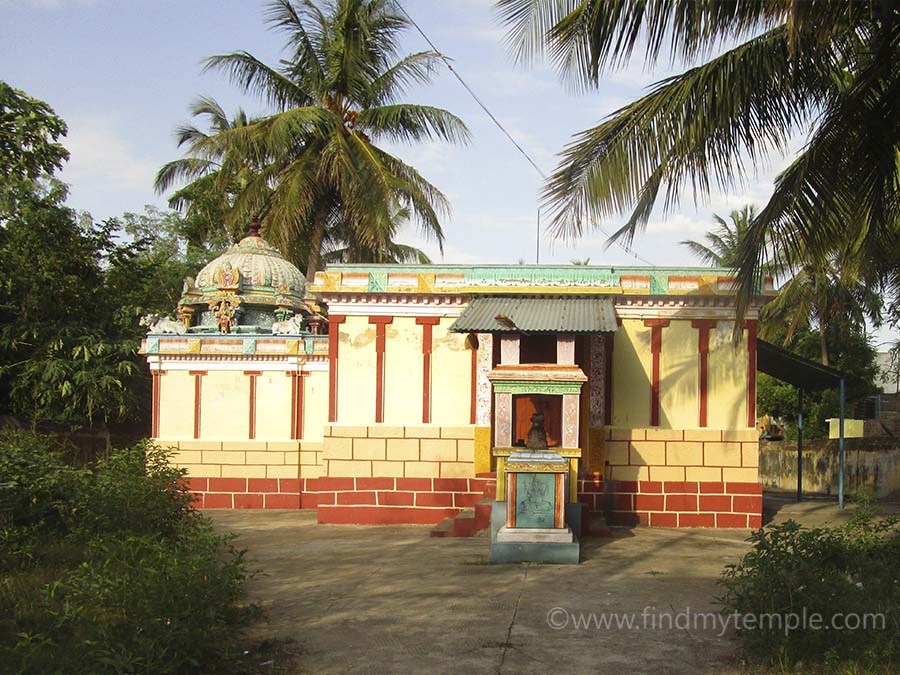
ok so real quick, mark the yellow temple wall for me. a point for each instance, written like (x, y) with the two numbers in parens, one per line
(632, 366)
(225, 405)
(224, 449)
(389, 451)
(402, 372)
(315, 404)
(356, 371)
(451, 373)
(679, 388)
(728, 369)
(176, 405)
(273, 405)
(679, 383)
(704, 455)
(451, 376)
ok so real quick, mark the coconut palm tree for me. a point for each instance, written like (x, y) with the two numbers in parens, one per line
(723, 244)
(335, 98)
(827, 68)
(213, 178)
(831, 293)
(343, 247)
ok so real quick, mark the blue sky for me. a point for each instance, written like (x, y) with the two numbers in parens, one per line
(122, 73)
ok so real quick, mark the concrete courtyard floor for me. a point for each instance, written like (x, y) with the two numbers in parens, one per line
(394, 599)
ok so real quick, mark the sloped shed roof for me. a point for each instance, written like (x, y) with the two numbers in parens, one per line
(537, 314)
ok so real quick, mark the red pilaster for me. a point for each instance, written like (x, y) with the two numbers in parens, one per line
(703, 326)
(296, 404)
(198, 377)
(379, 322)
(298, 411)
(750, 325)
(656, 347)
(252, 374)
(427, 323)
(334, 322)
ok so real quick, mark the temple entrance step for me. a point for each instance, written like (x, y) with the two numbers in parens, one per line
(490, 484)
(596, 525)
(471, 521)
(467, 523)
(443, 528)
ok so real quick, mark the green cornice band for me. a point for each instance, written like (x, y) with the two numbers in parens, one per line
(529, 387)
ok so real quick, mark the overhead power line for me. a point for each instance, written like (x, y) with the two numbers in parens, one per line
(500, 126)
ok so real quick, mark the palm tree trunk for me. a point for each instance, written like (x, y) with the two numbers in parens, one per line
(823, 344)
(314, 258)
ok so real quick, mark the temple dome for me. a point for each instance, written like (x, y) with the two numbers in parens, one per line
(248, 287)
(261, 267)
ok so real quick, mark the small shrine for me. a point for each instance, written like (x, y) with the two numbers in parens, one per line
(537, 514)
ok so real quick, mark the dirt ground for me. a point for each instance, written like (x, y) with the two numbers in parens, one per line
(393, 599)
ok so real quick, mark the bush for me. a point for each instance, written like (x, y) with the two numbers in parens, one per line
(135, 490)
(110, 569)
(37, 488)
(847, 576)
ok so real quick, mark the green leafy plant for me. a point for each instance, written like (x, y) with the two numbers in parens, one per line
(845, 575)
(110, 569)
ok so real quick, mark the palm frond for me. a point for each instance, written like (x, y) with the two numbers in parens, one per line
(409, 122)
(411, 70)
(255, 77)
(584, 37)
(750, 97)
(179, 170)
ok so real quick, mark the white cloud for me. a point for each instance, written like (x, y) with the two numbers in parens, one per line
(106, 172)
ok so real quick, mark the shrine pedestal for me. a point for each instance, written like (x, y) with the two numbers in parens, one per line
(535, 524)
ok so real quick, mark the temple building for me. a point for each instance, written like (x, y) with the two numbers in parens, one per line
(411, 393)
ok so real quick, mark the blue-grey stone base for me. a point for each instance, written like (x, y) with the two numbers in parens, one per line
(536, 552)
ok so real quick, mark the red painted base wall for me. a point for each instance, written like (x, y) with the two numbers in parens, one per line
(427, 501)
(674, 504)
(359, 501)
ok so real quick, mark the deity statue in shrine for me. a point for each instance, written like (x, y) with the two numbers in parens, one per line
(537, 436)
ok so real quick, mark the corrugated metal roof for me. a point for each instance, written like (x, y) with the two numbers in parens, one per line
(794, 369)
(530, 314)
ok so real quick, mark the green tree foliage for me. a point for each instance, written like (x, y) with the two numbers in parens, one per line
(318, 173)
(216, 176)
(71, 290)
(72, 295)
(108, 569)
(29, 131)
(845, 576)
(765, 70)
(853, 355)
(832, 294)
(58, 361)
(723, 243)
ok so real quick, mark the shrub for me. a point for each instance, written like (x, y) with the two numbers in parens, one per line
(847, 576)
(37, 488)
(110, 569)
(135, 490)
